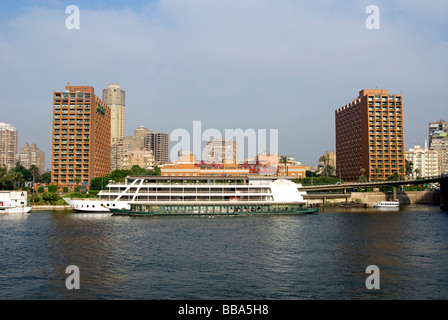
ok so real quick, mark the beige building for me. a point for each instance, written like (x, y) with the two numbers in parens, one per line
(8, 145)
(142, 138)
(221, 151)
(31, 154)
(114, 97)
(438, 141)
(142, 158)
(143, 143)
(267, 166)
(425, 162)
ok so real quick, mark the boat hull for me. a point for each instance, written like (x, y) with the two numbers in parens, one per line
(217, 209)
(386, 204)
(16, 210)
(94, 206)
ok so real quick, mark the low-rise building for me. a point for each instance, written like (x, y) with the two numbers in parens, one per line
(425, 162)
(187, 166)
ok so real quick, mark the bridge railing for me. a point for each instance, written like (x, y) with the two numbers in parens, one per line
(379, 183)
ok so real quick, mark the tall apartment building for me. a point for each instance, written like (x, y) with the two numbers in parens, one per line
(369, 136)
(115, 98)
(142, 138)
(159, 144)
(438, 141)
(425, 161)
(31, 154)
(221, 151)
(8, 145)
(81, 136)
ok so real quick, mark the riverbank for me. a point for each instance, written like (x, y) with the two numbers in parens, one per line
(369, 198)
(51, 207)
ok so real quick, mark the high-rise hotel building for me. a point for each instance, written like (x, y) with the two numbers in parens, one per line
(438, 141)
(81, 136)
(369, 137)
(114, 97)
(8, 145)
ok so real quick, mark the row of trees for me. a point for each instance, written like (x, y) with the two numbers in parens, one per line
(16, 176)
(119, 175)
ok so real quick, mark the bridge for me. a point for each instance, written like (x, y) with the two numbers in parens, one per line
(442, 180)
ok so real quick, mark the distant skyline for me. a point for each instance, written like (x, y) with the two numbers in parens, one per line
(249, 64)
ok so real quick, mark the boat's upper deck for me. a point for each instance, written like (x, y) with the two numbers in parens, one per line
(206, 180)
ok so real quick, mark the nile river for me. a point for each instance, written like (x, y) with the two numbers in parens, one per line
(320, 256)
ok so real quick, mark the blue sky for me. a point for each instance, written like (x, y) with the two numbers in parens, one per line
(249, 64)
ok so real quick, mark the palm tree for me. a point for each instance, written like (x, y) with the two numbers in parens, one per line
(284, 160)
(362, 177)
(76, 180)
(377, 170)
(35, 172)
(17, 176)
(417, 173)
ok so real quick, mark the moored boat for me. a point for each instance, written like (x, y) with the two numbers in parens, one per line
(14, 202)
(387, 204)
(146, 195)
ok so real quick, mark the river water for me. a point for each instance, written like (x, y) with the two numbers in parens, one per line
(319, 256)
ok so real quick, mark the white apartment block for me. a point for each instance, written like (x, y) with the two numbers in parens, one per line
(425, 161)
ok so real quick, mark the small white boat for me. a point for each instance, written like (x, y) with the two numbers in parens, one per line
(14, 202)
(387, 204)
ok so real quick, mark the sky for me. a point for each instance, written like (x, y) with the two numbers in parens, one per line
(283, 65)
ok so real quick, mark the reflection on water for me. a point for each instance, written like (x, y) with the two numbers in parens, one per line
(321, 256)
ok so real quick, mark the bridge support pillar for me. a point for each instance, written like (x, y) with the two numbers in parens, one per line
(394, 193)
(444, 194)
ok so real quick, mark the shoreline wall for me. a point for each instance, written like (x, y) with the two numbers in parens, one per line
(408, 197)
(369, 198)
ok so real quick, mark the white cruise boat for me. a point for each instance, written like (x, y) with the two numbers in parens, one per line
(151, 195)
(14, 202)
(387, 204)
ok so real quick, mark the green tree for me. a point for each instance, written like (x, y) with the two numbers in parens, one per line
(118, 175)
(98, 183)
(417, 172)
(17, 177)
(394, 177)
(362, 177)
(409, 167)
(377, 171)
(329, 171)
(26, 174)
(156, 171)
(50, 197)
(284, 161)
(45, 177)
(34, 172)
(52, 188)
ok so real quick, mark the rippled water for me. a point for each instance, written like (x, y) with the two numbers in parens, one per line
(321, 256)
